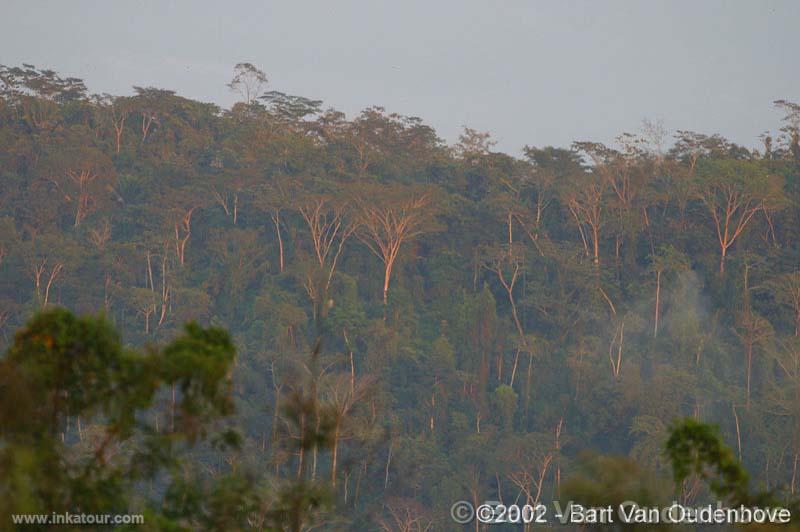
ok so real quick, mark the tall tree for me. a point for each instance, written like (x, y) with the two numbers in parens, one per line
(733, 192)
(584, 197)
(330, 223)
(248, 81)
(390, 216)
(83, 176)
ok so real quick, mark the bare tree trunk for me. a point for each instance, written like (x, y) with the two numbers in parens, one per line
(658, 302)
(558, 458)
(388, 462)
(276, 219)
(514, 369)
(106, 295)
(149, 272)
(302, 447)
(499, 487)
(119, 126)
(616, 366)
(53, 275)
(771, 225)
(361, 471)
(165, 291)
(314, 453)
(386, 277)
(738, 432)
(172, 411)
(749, 371)
(276, 416)
(540, 482)
(37, 279)
(580, 229)
(334, 454)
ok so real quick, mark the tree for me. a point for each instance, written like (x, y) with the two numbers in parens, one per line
(261, 201)
(667, 259)
(790, 133)
(83, 177)
(695, 448)
(601, 480)
(508, 266)
(733, 192)
(185, 204)
(388, 218)
(329, 224)
(150, 105)
(248, 81)
(505, 400)
(786, 289)
(584, 196)
(474, 144)
(37, 95)
(342, 392)
(240, 261)
(627, 178)
(752, 329)
(550, 166)
(116, 110)
(405, 515)
(785, 398)
(290, 109)
(273, 198)
(62, 367)
(531, 458)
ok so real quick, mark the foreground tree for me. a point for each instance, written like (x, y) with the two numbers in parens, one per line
(79, 428)
(62, 368)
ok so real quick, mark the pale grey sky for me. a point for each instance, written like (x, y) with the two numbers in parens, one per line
(530, 72)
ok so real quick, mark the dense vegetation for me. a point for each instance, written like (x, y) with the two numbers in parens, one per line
(469, 321)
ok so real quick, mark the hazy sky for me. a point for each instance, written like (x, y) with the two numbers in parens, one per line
(530, 72)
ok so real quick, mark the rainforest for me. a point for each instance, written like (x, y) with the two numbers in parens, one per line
(277, 316)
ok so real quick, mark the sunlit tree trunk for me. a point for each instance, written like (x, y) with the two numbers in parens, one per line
(387, 225)
(658, 303)
(276, 219)
(731, 210)
(183, 230)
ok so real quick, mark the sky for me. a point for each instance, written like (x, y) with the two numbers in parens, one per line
(530, 72)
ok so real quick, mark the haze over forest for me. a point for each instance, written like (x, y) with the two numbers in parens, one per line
(268, 313)
(475, 321)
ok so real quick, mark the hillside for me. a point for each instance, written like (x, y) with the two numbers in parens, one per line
(481, 319)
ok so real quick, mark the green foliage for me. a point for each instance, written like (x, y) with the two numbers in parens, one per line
(62, 369)
(464, 308)
(696, 448)
(602, 480)
(505, 401)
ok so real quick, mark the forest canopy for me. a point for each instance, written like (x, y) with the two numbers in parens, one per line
(415, 323)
